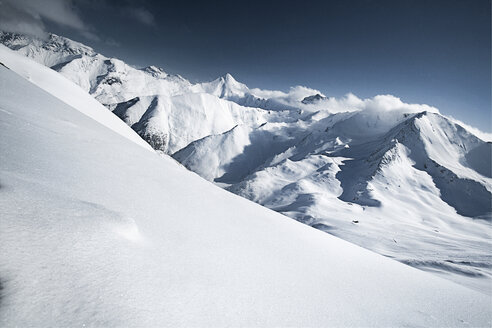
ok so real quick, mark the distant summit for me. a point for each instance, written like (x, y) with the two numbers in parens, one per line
(313, 99)
(155, 71)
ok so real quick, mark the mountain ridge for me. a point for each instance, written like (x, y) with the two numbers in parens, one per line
(365, 170)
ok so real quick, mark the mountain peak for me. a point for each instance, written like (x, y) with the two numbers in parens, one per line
(228, 79)
(313, 99)
(226, 86)
(154, 71)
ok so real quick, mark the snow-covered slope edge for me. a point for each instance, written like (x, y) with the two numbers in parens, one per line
(96, 231)
(66, 91)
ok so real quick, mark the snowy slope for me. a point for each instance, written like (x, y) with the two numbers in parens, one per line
(411, 194)
(397, 178)
(169, 124)
(66, 91)
(97, 231)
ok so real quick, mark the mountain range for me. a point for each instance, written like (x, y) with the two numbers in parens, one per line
(399, 179)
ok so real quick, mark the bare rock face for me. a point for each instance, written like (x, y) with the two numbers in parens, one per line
(313, 99)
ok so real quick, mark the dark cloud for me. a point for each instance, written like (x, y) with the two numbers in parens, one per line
(29, 16)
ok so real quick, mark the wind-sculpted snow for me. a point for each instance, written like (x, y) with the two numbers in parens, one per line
(97, 231)
(397, 178)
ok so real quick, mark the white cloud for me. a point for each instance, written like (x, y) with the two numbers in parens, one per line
(392, 103)
(295, 94)
(388, 108)
(347, 103)
(379, 104)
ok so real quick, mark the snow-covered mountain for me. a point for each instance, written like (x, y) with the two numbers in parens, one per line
(98, 230)
(400, 179)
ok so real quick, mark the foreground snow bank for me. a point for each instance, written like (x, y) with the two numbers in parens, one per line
(97, 231)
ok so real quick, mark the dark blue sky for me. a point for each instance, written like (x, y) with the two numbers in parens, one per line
(433, 52)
